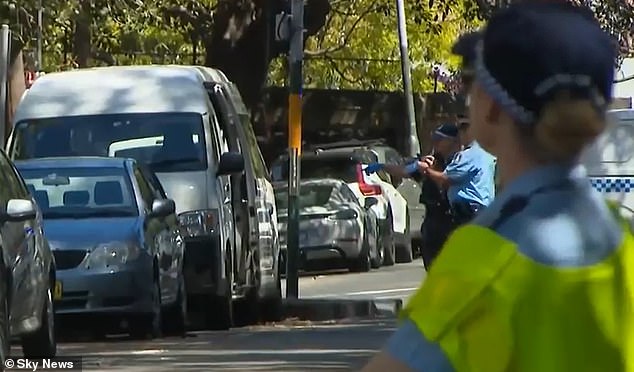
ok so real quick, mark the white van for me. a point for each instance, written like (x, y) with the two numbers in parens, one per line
(161, 116)
(610, 160)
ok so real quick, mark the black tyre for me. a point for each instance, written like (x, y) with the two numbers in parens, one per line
(175, 317)
(42, 343)
(5, 335)
(380, 254)
(404, 253)
(362, 263)
(148, 325)
(271, 309)
(387, 240)
(219, 309)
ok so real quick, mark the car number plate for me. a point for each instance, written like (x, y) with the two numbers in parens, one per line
(57, 291)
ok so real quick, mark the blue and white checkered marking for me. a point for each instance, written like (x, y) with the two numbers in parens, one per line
(613, 184)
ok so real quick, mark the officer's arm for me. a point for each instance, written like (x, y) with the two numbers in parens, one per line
(408, 350)
(396, 170)
(440, 178)
(459, 170)
(385, 362)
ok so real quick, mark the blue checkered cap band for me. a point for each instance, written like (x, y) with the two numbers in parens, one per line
(613, 184)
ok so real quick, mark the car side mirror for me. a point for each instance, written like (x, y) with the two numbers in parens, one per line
(19, 210)
(230, 163)
(162, 208)
(370, 202)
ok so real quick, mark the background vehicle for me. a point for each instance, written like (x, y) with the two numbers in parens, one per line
(84, 112)
(333, 224)
(347, 165)
(27, 268)
(609, 161)
(407, 187)
(258, 264)
(116, 241)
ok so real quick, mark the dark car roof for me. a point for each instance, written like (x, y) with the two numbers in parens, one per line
(353, 153)
(72, 162)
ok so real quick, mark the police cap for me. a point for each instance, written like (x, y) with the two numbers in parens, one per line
(532, 51)
(445, 131)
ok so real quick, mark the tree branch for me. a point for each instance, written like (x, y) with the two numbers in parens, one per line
(313, 53)
(341, 74)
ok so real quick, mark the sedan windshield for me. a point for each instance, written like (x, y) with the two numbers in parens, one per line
(81, 192)
(309, 196)
(167, 142)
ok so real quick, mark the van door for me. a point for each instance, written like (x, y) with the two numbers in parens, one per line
(609, 161)
(243, 189)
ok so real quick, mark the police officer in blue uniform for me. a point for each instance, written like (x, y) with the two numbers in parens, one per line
(438, 222)
(543, 83)
(468, 178)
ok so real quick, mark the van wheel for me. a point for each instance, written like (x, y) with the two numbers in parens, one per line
(175, 318)
(387, 239)
(42, 343)
(219, 309)
(271, 309)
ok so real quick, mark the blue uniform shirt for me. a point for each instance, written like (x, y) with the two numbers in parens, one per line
(565, 226)
(471, 174)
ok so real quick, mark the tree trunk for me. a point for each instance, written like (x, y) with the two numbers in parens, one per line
(242, 46)
(82, 36)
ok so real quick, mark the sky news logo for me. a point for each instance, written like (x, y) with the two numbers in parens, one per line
(46, 364)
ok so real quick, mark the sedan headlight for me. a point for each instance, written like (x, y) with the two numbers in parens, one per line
(198, 223)
(113, 254)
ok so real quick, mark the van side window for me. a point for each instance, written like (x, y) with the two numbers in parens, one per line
(259, 166)
(215, 140)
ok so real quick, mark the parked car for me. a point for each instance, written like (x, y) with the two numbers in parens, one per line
(347, 164)
(333, 224)
(253, 202)
(27, 270)
(165, 114)
(116, 241)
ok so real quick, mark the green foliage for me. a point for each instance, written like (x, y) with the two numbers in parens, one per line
(359, 46)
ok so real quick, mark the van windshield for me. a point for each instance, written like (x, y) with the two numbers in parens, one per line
(166, 142)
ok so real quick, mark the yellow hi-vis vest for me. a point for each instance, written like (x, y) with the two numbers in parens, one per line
(492, 309)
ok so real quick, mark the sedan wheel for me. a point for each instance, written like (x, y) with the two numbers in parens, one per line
(5, 336)
(148, 324)
(42, 343)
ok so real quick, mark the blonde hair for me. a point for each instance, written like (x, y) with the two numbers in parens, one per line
(565, 127)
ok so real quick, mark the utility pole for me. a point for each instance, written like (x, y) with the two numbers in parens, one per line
(414, 145)
(40, 12)
(296, 79)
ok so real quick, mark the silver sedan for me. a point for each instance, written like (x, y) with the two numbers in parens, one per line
(333, 225)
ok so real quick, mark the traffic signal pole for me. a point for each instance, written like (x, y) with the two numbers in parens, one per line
(296, 56)
(414, 145)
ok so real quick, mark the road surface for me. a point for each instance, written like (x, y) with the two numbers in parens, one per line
(398, 281)
(288, 346)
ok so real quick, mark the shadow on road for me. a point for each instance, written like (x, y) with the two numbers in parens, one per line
(327, 347)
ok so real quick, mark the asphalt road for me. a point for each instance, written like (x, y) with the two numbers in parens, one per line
(398, 281)
(288, 346)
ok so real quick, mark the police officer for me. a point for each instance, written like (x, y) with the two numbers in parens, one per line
(469, 178)
(541, 280)
(438, 222)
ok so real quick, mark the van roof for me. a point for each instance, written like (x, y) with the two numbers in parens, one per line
(119, 89)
